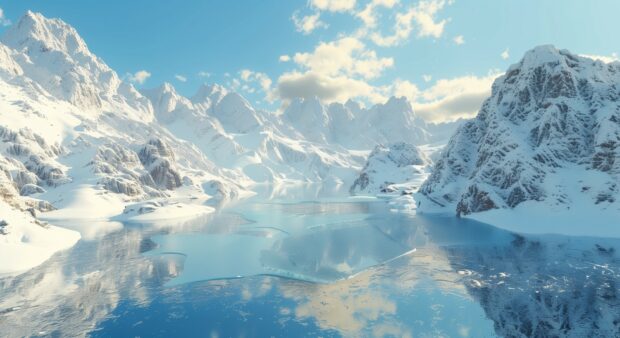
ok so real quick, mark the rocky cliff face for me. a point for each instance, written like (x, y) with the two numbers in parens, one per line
(28, 166)
(149, 173)
(552, 122)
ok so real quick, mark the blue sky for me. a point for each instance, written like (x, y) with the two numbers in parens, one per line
(443, 55)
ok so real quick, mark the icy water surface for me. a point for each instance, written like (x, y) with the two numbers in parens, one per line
(312, 263)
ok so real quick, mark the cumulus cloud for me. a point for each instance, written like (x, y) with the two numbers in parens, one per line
(424, 15)
(3, 19)
(445, 100)
(308, 23)
(327, 88)
(346, 56)
(605, 58)
(204, 74)
(405, 88)
(465, 105)
(427, 78)
(335, 71)
(181, 78)
(421, 17)
(346, 67)
(450, 99)
(138, 77)
(368, 15)
(505, 54)
(333, 5)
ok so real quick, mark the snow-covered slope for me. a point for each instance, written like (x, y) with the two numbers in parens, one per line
(387, 166)
(25, 241)
(546, 141)
(256, 143)
(78, 142)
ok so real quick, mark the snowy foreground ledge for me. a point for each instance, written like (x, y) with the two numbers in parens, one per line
(86, 214)
(532, 217)
(537, 218)
(27, 244)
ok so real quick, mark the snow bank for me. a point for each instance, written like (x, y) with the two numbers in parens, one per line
(25, 244)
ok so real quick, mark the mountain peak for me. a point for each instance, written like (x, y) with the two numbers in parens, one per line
(209, 93)
(164, 98)
(398, 104)
(35, 32)
(540, 55)
(304, 106)
(166, 87)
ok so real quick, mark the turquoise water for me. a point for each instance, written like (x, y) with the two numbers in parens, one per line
(319, 263)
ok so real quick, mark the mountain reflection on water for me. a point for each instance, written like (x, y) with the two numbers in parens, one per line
(320, 266)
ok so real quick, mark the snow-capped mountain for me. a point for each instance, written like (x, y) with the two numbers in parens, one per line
(255, 143)
(54, 56)
(80, 142)
(77, 139)
(389, 165)
(548, 136)
(353, 127)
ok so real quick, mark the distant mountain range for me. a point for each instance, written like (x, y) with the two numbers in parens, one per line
(80, 142)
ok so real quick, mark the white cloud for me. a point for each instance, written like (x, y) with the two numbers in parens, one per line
(180, 78)
(459, 40)
(346, 56)
(424, 16)
(405, 88)
(3, 19)
(505, 54)
(345, 68)
(449, 99)
(138, 77)
(446, 100)
(327, 88)
(333, 5)
(335, 71)
(606, 59)
(427, 78)
(421, 16)
(369, 16)
(308, 23)
(204, 74)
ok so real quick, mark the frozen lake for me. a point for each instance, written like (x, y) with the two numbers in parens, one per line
(312, 262)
